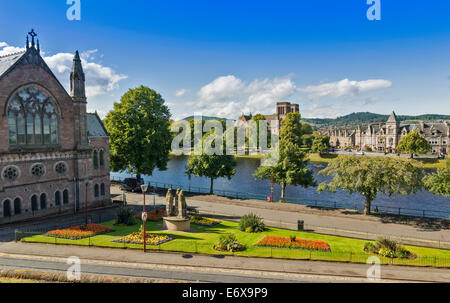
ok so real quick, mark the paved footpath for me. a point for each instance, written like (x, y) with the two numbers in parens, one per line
(224, 268)
(325, 221)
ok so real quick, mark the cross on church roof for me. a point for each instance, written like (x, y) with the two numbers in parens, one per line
(32, 33)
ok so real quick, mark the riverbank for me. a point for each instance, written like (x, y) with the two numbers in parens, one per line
(427, 163)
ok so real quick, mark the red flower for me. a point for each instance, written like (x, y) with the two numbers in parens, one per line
(282, 242)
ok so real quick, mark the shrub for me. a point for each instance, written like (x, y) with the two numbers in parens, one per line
(387, 248)
(387, 253)
(125, 216)
(369, 247)
(386, 244)
(251, 223)
(402, 253)
(368, 148)
(229, 242)
(293, 238)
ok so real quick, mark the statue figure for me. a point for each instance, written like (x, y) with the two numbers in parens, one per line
(182, 206)
(169, 203)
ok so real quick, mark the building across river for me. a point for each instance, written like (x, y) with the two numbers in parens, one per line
(384, 137)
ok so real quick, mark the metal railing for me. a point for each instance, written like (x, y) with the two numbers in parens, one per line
(38, 229)
(401, 211)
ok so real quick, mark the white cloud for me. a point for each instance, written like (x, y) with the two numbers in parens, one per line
(229, 96)
(6, 49)
(223, 88)
(344, 87)
(99, 79)
(322, 111)
(181, 92)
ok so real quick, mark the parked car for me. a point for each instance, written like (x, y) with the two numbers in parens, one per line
(132, 184)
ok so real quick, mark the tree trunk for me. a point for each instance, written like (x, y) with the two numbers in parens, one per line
(211, 189)
(367, 206)
(283, 192)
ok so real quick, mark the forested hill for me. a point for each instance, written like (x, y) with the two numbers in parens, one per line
(360, 118)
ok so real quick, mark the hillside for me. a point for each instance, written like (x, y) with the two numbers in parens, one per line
(366, 117)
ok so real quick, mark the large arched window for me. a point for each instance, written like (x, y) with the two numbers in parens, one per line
(34, 203)
(7, 208)
(66, 196)
(17, 206)
(96, 191)
(43, 201)
(102, 158)
(32, 118)
(58, 198)
(95, 159)
(102, 189)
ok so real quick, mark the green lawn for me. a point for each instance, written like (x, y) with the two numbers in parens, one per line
(201, 240)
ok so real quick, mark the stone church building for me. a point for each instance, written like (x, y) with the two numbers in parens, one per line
(54, 156)
(283, 108)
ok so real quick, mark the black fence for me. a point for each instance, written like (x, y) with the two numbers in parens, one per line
(424, 213)
(43, 228)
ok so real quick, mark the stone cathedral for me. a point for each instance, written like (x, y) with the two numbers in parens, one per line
(54, 156)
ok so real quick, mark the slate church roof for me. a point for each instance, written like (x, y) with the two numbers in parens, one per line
(95, 126)
(7, 61)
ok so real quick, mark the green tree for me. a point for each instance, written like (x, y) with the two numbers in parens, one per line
(413, 143)
(320, 143)
(140, 137)
(370, 176)
(291, 129)
(290, 169)
(439, 182)
(211, 166)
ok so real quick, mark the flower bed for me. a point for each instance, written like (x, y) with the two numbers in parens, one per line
(151, 239)
(79, 232)
(153, 215)
(203, 221)
(282, 242)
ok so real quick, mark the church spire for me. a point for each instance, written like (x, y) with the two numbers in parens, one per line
(77, 80)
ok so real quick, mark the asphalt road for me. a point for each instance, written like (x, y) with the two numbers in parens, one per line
(172, 273)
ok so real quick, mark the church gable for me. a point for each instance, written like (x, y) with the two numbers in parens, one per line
(27, 73)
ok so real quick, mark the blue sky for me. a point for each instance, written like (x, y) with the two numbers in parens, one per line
(227, 57)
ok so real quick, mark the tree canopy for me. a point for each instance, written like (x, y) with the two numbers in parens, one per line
(370, 176)
(140, 137)
(320, 143)
(291, 166)
(439, 182)
(291, 129)
(211, 166)
(290, 169)
(413, 143)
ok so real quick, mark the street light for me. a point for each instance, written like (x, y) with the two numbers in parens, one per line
(144, 189)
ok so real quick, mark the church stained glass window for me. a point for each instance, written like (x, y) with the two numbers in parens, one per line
(32, 118)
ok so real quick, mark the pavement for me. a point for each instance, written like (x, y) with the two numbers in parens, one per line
(421, 232)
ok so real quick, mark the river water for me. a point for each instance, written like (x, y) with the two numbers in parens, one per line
(421, 204)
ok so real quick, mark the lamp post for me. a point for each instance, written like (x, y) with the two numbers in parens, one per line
(271, 189)
(144, 189)
(86, 202)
